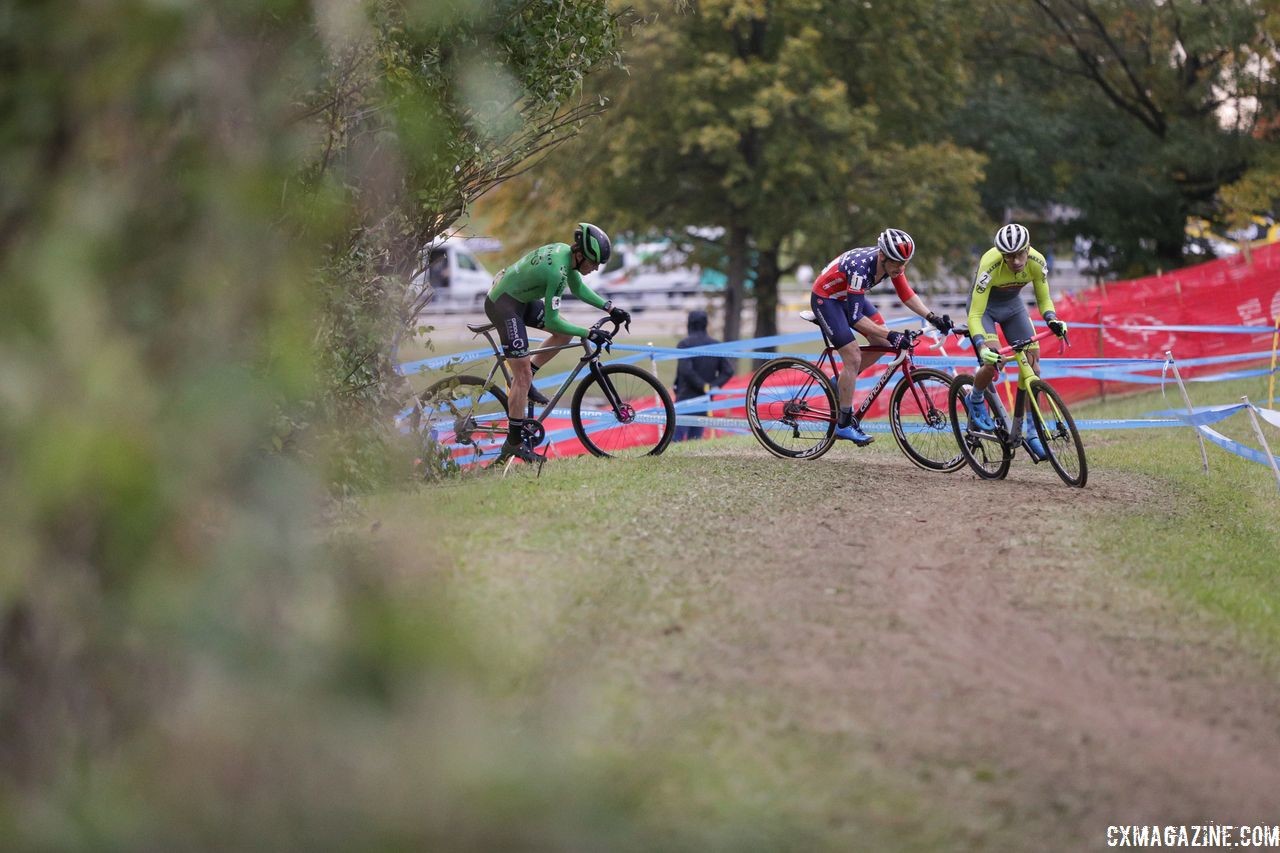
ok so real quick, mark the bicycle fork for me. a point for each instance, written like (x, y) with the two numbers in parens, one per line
(610, 393)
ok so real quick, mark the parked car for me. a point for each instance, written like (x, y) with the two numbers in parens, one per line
(458, 280)
(646, 270)
(658, 274)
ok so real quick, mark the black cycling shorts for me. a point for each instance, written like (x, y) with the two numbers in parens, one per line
(512, 316)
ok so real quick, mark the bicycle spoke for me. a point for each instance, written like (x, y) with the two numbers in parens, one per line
(1059, 435)
(640, 424)
(791, 409)
(986, 453)
(461, 418)
(921, 426)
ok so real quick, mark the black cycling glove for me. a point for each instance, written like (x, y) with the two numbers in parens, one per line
(1055, 325)
(942, 324)
(621, 316)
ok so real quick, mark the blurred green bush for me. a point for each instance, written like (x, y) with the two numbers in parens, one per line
(208, 217)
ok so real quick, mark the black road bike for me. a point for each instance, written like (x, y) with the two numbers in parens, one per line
(618, 410)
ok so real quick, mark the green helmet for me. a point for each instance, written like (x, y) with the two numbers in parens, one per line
(592, 242)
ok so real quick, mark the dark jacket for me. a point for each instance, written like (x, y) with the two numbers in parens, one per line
(695, 375)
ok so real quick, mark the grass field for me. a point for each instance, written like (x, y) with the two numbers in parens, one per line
(853, 653)
(1216, 544)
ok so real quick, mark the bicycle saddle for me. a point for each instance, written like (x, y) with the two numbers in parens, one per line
(808, 315)
(480, 327)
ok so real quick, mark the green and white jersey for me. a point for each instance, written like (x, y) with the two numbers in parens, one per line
(544, 273)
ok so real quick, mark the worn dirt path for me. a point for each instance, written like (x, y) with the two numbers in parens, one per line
(1079, 699)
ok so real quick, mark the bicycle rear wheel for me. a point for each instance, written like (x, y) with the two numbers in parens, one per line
(1058, 433)
(622, 411)
(791, 408)
(918, 418)
(987, 453)
(461, 416)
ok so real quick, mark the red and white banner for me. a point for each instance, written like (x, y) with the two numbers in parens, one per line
(1236, 291)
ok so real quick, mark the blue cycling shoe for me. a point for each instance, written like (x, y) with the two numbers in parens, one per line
(979, 417)
(854, 434)
(1034, 448)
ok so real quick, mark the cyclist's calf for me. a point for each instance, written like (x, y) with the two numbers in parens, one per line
(521, 380)
(852, 356)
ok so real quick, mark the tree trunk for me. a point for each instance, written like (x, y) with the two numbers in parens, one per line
(766, 290)
(735, 286)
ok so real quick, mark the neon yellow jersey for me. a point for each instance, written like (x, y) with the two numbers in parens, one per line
(995, 280)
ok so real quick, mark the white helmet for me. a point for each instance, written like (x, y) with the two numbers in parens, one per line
(897, 245)
(1012, 238)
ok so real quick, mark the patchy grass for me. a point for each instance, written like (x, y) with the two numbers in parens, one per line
(601, 594)
(604, 603)
(1215, 544)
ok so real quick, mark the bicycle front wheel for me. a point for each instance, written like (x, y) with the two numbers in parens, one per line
(987, 453)
(461, 416)
(1058, 433)
(791, 408)
(622, 411)
(918, 418)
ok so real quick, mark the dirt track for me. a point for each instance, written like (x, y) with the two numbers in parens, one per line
(1075, 699)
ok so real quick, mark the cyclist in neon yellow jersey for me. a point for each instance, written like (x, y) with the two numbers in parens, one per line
(995, 299)
(527, 293)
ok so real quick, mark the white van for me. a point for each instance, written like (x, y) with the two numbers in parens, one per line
(458, 280)
(645, 272)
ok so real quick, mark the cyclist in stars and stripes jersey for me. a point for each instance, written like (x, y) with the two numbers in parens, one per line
(839, 301)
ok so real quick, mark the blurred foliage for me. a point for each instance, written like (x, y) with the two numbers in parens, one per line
(208, 220)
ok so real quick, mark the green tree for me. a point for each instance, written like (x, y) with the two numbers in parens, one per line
(1135, 113)
(775, 126)
(417, 115)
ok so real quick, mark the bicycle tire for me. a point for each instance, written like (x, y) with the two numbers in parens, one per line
(630, 432)
(449, 409)
(989, 457)
(1059, 435)
(924, 434)
(781, 395)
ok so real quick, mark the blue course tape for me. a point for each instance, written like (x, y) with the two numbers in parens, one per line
(752, 349)
(1106, 369)
(1207, 414)
(1271, 417)
(1236, 447)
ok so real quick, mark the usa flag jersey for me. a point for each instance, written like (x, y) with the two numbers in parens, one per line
(852, 272)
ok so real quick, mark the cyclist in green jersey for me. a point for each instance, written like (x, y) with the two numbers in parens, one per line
(527, 293)
(1002, 273)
